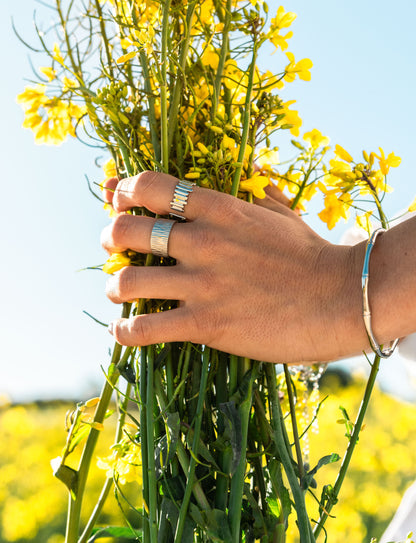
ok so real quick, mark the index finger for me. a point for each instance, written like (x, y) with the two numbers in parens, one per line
(155, 192)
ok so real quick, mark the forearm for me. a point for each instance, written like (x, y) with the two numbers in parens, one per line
(393, 282)
(392, 290)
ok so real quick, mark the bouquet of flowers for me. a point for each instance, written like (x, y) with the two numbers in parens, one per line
(214, 440)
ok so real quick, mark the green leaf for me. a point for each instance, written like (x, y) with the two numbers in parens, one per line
(166, 448)
(308, 479)
(259, 523)
(116, 532)
(67, 475)
(169, 519)
(279, 489)
(173, 487)
(217, 527)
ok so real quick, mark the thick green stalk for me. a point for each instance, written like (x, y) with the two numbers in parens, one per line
(224, 457)
(109, 482)
(277, 422)
(195, 446)
(238, 479)
(151, 467)
(246, 121)
(332, 499)
(143, 440)
(164, 87)
(75, 503)
(289, 387)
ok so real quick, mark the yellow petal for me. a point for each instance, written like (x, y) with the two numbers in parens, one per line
(412, 206)
(342, 153)
(126, 57)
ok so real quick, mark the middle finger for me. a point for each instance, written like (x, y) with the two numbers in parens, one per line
(134, 232)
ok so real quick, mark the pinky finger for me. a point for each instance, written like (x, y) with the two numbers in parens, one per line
(173, 325)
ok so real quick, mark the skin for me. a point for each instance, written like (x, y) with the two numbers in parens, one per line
(255, 280)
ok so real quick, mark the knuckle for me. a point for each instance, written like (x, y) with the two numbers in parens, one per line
(141, 330)
(144, 182)
(125, 282)
(119, 230)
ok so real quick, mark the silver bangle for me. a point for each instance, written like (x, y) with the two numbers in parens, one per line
(383, 353)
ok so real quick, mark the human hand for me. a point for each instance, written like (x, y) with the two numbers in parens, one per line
(252, 280)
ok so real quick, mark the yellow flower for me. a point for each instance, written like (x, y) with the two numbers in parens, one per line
(280, 40)
(340, 170)
(363, 221)
(283, 18)
(109, 168)
(300, 68)
(49, 72)
(68, 83)
(316, 139)
(125, 463)
(255, 184)
(266, 157)
(116, 262)
(342, 153)
(57, 55)
(291, 118)
(335, 209)
(51, 119)
(210, 57)
(392, 161)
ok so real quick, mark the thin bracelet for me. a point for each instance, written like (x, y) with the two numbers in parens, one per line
(383, 353)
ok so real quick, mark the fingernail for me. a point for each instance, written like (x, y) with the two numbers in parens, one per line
(111, 328)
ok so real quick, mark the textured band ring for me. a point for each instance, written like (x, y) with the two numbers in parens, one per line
(180, 197)
(159, 238)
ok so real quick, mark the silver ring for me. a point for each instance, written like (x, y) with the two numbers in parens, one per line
(159, 238)
(180, 197)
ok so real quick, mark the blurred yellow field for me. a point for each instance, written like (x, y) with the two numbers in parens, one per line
(33, 503)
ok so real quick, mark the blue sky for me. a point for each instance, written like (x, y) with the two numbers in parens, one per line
(361, 96)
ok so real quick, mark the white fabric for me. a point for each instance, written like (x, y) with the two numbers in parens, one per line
(404, 521)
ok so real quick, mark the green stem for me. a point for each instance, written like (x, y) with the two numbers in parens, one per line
(246, 121)
(143, 440)
(103, 34)
(224, 457)
(151, 100)
(278, 423)
(164, 87)
(332, 499)
(238, 478)
(291, 398)
(195, 446)
(301, 188)
(109, 482)
(180, 77)
(75, 503)
(151, 467)
(223, 58)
